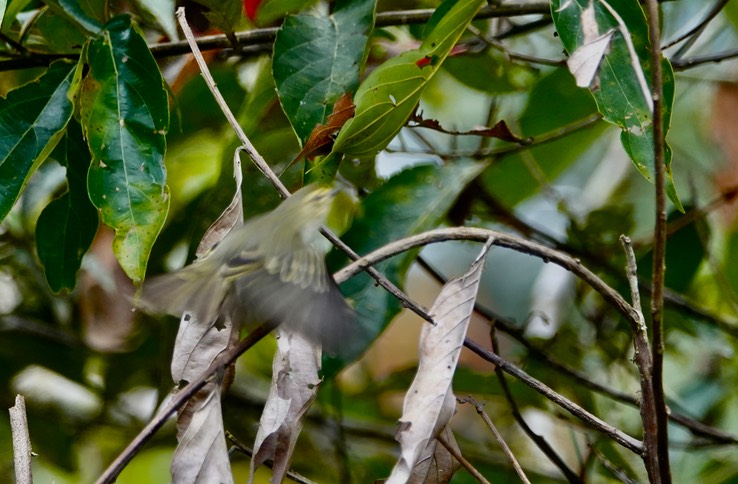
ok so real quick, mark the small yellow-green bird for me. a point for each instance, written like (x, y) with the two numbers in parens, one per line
(269, 270)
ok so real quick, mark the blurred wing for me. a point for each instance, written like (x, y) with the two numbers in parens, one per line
(193, 289)
(297, 291)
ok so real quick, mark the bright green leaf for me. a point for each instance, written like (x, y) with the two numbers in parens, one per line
(410, 202)
(11, 13)
(67, 225)
(390, 93)
(125, 116)
(621, 82)
(32, 121)
(318, 59)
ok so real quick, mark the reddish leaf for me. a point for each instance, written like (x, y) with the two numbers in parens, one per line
(321, 138)
(251, 7)
(499, 130)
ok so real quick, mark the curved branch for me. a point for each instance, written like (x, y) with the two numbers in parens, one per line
(502, 240)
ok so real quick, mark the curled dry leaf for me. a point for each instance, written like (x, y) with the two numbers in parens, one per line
(436, 465)
(202, 455)
(231, 216)
(295, 382)
(500, 130)
(430, 402)
(321, 138)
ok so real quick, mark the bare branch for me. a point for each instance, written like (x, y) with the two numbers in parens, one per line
(657, 445)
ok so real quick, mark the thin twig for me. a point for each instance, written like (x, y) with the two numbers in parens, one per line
(539, 440)
(617, 472)
(539, 140)
(698, 28)
(497, 44)
(684, 64)
(21, 441)
(247, 451)
(594, 422)
(657, 446)
(500, 440)
(465, 463)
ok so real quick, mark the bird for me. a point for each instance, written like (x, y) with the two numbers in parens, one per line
(270, 270)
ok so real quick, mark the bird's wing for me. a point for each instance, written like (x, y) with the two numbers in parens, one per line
(295, 290)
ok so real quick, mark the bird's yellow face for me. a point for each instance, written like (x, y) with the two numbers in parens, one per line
(320, 200)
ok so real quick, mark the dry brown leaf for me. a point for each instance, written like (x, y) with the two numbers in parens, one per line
(231, 217)
(321, 138)
(430, 402)
(295, 382)
(436, 465)
(500, 130)
(202, 455)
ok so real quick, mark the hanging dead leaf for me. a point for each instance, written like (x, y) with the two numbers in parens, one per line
(430, 402)
(295, 383)
(202, 447)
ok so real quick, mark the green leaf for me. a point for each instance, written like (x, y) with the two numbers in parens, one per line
(11, 13)
(388, 96)
(125, 116)
(32, 121)
(413, 201)
(75, 11)
(685, 251)
(318, 59)
(67, 225)
(57, 32)
(621, 86)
